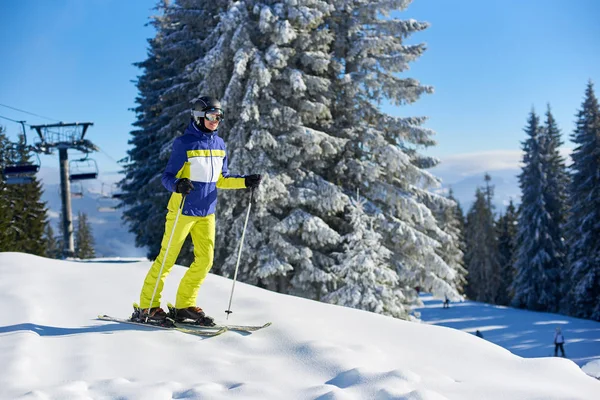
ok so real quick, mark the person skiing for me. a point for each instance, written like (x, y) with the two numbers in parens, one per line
(446, 303)
(197, 167)
(559, 341)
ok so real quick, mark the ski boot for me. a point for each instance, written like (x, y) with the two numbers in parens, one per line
(190, 315)
(152, 316)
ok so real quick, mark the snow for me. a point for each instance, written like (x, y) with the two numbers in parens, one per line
(53, 347)
(525, 333)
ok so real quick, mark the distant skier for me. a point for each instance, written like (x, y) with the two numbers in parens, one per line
(196, 168)
(478, 333)
(559, 341)
(446, 303)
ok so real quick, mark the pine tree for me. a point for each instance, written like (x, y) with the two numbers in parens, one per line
(451, 221)
(363, 272)
(6, 211)
(583, 226)
(482, 258)
(84, 240)
(301, 83)
(536, 285)
(24, 214)
(53, 249)
(507, 235)
(555, 198)
(30, 220)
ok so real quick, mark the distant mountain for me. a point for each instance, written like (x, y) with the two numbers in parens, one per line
(505, 183)
(111, 235)
(464, 173)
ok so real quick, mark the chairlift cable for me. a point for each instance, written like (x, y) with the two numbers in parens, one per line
(30, 113)
(13, 120)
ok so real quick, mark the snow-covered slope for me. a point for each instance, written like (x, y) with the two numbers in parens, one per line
(525, 333)
(52, 347)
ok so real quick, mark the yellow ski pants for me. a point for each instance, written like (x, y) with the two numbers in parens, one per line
(202, 230)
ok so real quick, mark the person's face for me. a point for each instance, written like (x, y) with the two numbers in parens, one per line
(212, 119)
(211, 125)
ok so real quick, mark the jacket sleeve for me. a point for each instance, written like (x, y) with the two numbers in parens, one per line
(176, 161)
(227, 181)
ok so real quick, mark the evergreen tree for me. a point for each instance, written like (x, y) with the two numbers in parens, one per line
(482, 258)
(6, 211)
(536, 285)
(555, 198)
(84, 240)
(53, 249)
(451, 221)
(583, 225)
(307, 111)
(24, 214)
(507, 235)
(300, 83)
(365, 278)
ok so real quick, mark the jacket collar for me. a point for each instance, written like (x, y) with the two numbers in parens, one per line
(193, 129)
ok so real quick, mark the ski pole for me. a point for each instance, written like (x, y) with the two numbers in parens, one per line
(165, 256)
(237, 264)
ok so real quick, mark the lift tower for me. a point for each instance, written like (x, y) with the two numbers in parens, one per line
(64, 136)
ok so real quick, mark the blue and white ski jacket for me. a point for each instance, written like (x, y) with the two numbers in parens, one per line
(200, 157)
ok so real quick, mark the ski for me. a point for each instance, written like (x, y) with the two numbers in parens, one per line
(196, 330)
(191, 324)
(242, 328)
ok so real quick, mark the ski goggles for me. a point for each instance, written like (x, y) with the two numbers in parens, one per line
(215, 114)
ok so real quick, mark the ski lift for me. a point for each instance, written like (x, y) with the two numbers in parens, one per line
(77, 190)
(23, 172)
(19, 180)
(109, 201)
(85, 168)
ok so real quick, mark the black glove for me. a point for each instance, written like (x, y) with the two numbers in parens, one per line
(184, 186)
(252, 181)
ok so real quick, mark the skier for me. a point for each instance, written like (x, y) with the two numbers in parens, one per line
(559, 341)
(446, 303)
(196, 168)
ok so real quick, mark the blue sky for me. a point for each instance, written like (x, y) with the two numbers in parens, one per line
(489, 61)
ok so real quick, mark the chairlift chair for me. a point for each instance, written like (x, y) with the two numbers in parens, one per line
(83, 169)
(18, 180)
(21, 173)
(108, 201)
(77, 190)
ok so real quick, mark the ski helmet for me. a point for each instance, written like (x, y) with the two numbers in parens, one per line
(202, 105)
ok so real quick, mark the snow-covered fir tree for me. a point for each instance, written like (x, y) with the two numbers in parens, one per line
(555, 197)
(506, 227)
(307, 84)
(481, 258)
(451, 221)
(301, 82)
(536, 285)
(364, 277)
(583, 221)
